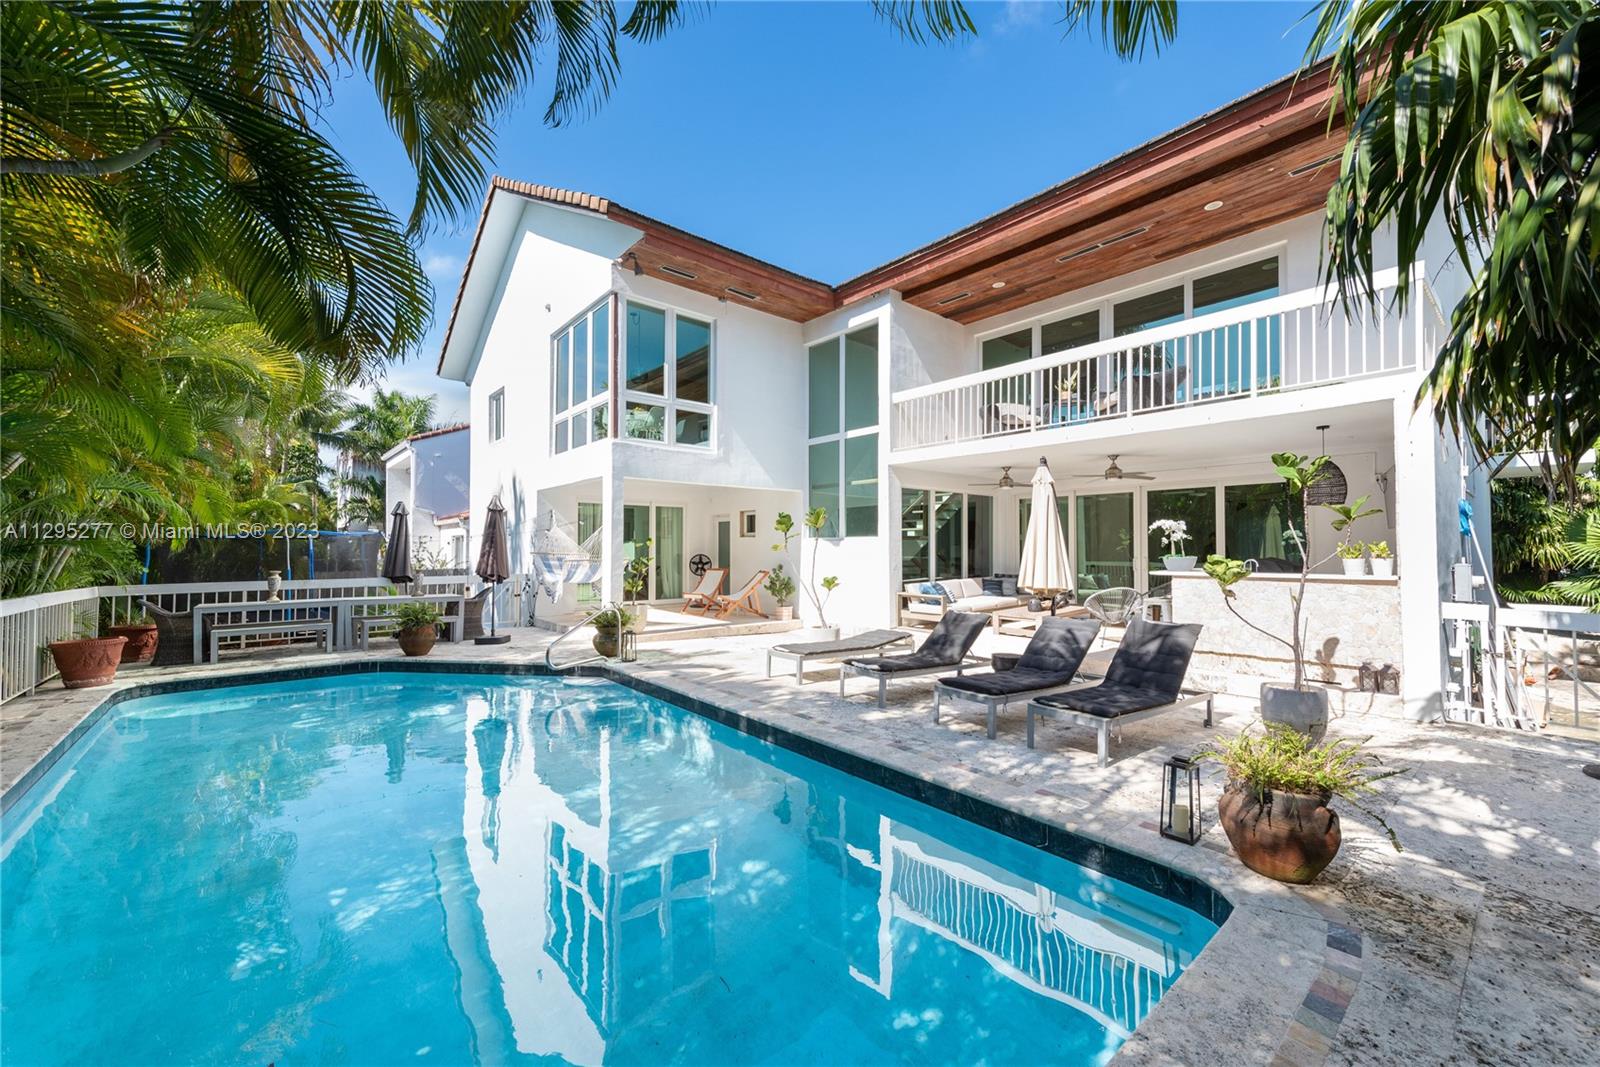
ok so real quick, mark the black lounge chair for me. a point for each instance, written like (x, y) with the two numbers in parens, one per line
(1145, 678)
(946, 648)
(1050, 662)
(802, 651)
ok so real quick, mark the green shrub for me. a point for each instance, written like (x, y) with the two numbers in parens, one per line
(612, 619)
(417, 615)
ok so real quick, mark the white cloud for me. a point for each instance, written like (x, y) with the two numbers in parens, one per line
(1021, 15)
(439, 265)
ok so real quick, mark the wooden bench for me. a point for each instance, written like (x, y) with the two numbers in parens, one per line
(324, 627)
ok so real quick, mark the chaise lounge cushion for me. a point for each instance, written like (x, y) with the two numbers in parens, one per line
(1052, 658)
(946, 646)
(1007, 683)
(861, 642)
(1146, 672)
(1107, 700)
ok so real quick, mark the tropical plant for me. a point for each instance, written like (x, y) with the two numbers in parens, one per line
(1298, 473)
(1350, 550)
(1546, 551)
(415, 615)
(612, 619)
(816, 521)
(372, 427)
(636, 573)
(779, 585)
(364, 501)
(1282, 759)
(1379, 550)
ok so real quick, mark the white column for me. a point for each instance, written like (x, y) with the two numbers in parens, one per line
(611, 552)
(1426, 494)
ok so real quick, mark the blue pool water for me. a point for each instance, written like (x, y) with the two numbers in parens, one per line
(389, 869)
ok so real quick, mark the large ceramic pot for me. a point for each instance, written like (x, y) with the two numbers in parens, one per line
(606, 643)
(88, 661)
(142, 637)
(1306, 710)
(1289, 837)
(418, 642)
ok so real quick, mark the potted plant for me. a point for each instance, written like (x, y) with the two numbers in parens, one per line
(607, 625)
(1303, 707)
(142, 637)
(815, 520)
(1174, 534)
(1276, 808)
(1353, 554)
(635, 583)
(780, 587)
(1382, 559)
(419, 626)
(85, 659)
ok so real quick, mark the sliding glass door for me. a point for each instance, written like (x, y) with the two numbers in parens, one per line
(1105, 542)
(1195, 508)
(669, 553)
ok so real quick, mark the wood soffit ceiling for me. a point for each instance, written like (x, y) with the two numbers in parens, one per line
(1243, 155)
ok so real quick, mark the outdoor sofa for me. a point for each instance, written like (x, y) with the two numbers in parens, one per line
(1050, 662)
(947, 648)
(921, 604)
(1145, 678)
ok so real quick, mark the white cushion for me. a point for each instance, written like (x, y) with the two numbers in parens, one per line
(964, 587)
(922, 607)
(984, 603)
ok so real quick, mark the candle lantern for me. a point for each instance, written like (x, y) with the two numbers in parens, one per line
(1180, 800)
(627, 645)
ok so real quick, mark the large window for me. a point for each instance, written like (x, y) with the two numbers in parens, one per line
(1223, 356)
(669, 376)
(951, 533)
(581, 404)
(843, 424)
(1257, 524)
(1197, 510)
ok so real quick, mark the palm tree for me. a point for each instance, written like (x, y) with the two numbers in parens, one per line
(375, 426)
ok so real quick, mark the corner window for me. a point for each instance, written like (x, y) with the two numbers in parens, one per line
(668, 385)
(843, 424)
(580, 400)
(497, 414)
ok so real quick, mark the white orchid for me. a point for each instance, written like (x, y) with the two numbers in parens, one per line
(1175, 532)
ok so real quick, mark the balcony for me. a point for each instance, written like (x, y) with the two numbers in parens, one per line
(1296, 341)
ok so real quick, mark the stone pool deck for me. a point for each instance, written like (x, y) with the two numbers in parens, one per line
(1480, 944)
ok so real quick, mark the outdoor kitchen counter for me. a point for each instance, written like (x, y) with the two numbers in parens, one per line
(1349, 620)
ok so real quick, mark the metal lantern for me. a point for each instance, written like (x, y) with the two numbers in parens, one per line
(1330, 486)
(1180, 800)
(627, 645)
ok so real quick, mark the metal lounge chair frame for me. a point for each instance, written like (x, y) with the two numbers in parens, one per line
(994, 703)
(956, 628)
(802, 653)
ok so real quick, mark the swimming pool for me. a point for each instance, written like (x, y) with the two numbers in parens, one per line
(453, 868)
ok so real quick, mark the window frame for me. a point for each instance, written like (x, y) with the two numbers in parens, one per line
(668, 400)
(838, 523)
(497, 415)
(574, 412)
(1106, 304)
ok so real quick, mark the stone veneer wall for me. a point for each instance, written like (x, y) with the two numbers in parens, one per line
(1348, 621)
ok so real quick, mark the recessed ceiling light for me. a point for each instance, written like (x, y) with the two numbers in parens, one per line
(998, 285)
(1213, 205)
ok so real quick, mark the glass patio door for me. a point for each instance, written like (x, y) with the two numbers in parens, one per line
(1105, 552)
(636, 537)
(669, 553)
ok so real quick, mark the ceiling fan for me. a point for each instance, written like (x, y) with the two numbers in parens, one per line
(1005, 482)
(1115, 473)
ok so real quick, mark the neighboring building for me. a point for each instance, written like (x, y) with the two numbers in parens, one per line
(1164, 308)
(429, 473)
(349, 468)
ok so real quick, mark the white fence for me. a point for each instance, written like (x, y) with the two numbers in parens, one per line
(1523, 667)
(29, 624)
(1288, 342)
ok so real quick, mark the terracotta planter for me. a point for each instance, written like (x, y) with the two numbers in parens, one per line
(606, 643)
(142, 637)
(1290, 837)
(418, 642)
(89, 661)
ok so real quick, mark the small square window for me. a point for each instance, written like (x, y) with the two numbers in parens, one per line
(747, 524)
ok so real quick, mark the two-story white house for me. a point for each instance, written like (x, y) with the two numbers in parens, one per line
(430, 473)
(1165, 308)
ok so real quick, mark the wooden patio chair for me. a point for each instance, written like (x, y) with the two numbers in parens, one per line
(704, 595)
(748, 598)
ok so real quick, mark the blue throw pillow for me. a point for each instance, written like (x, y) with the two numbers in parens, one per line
(994, 587)
(935, 593)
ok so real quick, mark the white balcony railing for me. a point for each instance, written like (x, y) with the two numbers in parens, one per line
(1287, 342)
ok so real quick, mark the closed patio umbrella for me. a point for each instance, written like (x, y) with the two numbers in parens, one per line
(397, 556)
(1045, 569)
(494, 565)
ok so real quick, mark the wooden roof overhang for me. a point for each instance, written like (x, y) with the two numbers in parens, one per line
(1259, 156)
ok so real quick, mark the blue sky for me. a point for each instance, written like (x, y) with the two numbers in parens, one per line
(813, 136)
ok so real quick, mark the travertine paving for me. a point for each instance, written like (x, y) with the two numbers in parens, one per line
(1479, 944)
